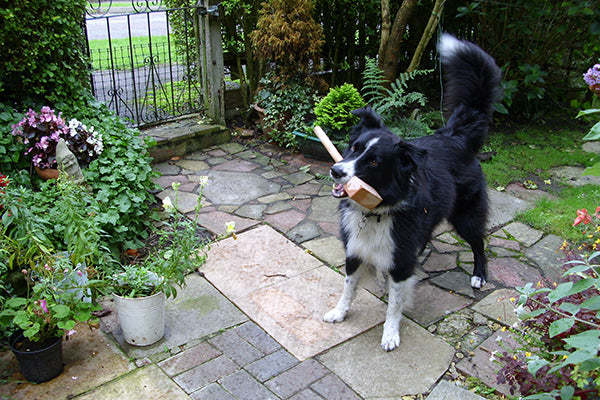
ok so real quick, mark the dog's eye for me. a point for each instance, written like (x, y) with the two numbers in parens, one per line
(353, 149)
(373, 162)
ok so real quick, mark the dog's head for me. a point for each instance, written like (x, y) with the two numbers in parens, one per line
(380, 158)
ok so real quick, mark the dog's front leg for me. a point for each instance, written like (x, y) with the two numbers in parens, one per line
(399, 297)
(353, 275)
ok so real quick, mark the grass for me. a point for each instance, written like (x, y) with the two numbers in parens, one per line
(100, 54)
(533, 150)
(529, 153)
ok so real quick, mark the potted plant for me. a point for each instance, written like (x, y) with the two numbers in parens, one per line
(333, 114)
(56, 286)
(141, 288)
(41, 133)
(57, 299)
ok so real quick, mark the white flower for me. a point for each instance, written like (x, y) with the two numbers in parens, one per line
(203, 180)
(167, 204)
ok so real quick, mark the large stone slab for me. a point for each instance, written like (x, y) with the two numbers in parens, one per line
(410, 369)
(499, 306)
(197, 311)
(91, 359)
(431, 304)
(225, 187)
(548, 256)
(503, 208)
(145, 383)
(287, 291)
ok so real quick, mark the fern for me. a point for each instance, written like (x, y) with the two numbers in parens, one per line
(389, 102)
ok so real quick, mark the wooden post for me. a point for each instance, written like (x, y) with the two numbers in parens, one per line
(212, 68)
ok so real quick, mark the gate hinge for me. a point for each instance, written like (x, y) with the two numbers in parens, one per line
(210, 10)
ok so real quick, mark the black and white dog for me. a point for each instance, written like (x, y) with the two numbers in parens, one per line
(421, 183)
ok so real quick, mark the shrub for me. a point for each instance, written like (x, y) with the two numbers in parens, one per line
(333, 111)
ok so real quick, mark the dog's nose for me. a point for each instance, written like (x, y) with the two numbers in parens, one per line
(337, 172)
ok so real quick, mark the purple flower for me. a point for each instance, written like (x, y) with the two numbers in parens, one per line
(44, 305)
(592, 78)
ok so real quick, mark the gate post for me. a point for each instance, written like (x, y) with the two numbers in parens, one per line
(212, 69)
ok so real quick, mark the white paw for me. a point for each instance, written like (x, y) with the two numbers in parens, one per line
(477, 282)
(334, 315)
(390, 340)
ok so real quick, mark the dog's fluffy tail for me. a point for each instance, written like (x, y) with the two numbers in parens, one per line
(472, 87)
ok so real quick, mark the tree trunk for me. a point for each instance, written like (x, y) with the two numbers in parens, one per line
(434, 19)
(389, 54)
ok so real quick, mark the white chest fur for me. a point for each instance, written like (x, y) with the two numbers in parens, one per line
(369, 240)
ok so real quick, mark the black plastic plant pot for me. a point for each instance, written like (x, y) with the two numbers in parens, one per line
(38, 362)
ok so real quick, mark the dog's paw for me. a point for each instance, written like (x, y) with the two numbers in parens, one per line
(334, 316)
(389, 341)
(477, 282)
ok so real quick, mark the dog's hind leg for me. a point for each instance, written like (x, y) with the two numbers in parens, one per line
(353, 275)
(399, 298)
(472, 229)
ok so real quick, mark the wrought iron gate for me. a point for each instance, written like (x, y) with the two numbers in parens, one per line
(147, 60)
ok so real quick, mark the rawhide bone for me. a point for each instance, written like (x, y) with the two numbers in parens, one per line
(357, 190)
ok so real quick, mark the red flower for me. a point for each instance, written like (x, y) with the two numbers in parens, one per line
(598, 212)
(583, 216)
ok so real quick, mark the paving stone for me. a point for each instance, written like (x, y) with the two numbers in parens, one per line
(447, 237)
(278, 207)
(244, 387)
(166, 168)
(300, 204)
(165, 181)
(235, 348)
(440, 262)
(412, 368)
(186, 202)
(90, 359)
(299, 178)
(591, 147)
(225, 187)
(324, 209)
(297, 379)
(445, 247)
(523, 233)
(501, 252)
(206, 373)
(309, 189)
(236, 165)
(512, 272)
(456, 282)
(216, 152)
(548, 257)
(498, 306)
(331, 387)
(519, 190)
(251, 211)
(144, 383)
(303, 231)
(430, 304)
(189, 358)
(272, 198)
(329, 249)
(449, 391)
(574, 176)
(477, 336)
(503, 208)
(217, 160)
(466, 257)
(271, 365)
(257, 337)
(192, 165)
(232, 147)
(506, 243)
(217, 222)
(331, 228)
(442, 227)
(211, 392)
(285, 220)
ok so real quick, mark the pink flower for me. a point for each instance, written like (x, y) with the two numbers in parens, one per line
(583, 216)
(598, 212)
(44, 305)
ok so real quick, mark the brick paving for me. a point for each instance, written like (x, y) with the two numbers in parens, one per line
(229, 350)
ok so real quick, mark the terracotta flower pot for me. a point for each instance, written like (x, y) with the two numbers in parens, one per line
(47, 173)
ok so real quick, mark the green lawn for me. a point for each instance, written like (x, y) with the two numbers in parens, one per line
(528, 153)
(121, 53)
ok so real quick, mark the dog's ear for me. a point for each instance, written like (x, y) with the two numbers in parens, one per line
(368, 118)
(415, 155)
